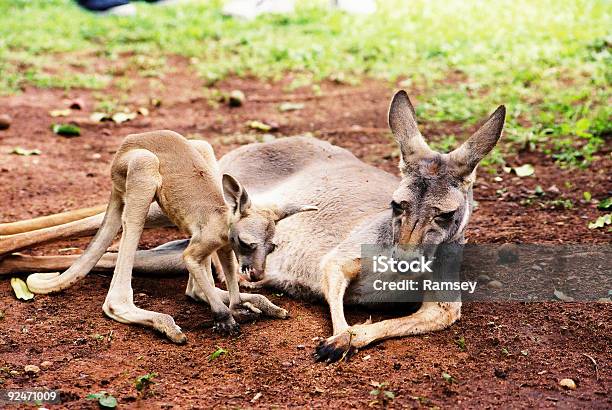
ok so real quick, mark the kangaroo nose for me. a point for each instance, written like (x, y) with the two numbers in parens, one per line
(257, 275)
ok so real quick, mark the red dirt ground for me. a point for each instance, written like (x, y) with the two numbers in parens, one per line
(270, 364)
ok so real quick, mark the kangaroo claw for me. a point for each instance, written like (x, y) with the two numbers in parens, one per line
(334, 349)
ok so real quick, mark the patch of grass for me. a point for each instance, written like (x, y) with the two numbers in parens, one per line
(550, 65)
(460, 342)
(381, 394)
(143, 383)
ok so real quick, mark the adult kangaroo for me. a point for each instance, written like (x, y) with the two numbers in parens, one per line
(358, 204)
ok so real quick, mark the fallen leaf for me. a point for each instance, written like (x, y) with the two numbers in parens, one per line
(60, 113)
(21, 289)
(601, 221)
(289, 106)
(216, 354)
(25, 152)
(99, 116)
(121, 117)
(66, 130)
(105, 400)
(261, 126)
(605, 204)
(562, 296)
(524, 170)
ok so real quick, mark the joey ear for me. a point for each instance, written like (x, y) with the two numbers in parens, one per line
(235, 195)
(472, 151)
(292, 209)
(402, 121)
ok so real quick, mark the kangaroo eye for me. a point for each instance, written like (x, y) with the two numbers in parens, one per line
(246, 246)
(445, 217)
(397, 208)
(273, 247)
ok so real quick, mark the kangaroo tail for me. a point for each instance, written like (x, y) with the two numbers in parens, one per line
(12, 228)
(54, 282)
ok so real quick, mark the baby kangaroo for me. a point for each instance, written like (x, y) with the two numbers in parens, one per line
(183, 178)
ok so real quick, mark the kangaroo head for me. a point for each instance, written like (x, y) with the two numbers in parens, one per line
(253, 227)
(432, 205)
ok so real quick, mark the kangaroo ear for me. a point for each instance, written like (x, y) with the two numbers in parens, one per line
(402, 121)
(235, 195)
(292, 209)
(472, 151)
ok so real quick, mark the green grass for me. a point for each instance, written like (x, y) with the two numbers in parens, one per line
(549, 61)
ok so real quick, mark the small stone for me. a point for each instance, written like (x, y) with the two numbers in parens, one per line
(368, 357)
(499, 373)
(236, 98)
(286, 364)
(301, 347)
(483, 279)
(495, 284)
(568, 384)
(256, 397)
(553, 189)
(508, 253)
(13, 372)
(77, 104)
(96, 156)
(5, 121)
(536, 267)
(30, 368)
(46, 364)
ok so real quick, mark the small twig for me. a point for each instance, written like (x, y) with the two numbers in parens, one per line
(348, 349)
(594, 364)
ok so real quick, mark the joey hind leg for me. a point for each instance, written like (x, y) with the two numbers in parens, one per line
(141, 171)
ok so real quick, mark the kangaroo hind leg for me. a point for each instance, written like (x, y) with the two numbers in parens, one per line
(142, 179)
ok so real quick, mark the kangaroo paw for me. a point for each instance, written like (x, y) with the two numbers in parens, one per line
(227, 327)
(335, 348)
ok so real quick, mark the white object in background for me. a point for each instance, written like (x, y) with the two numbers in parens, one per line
(124, 10)
(250, 9)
